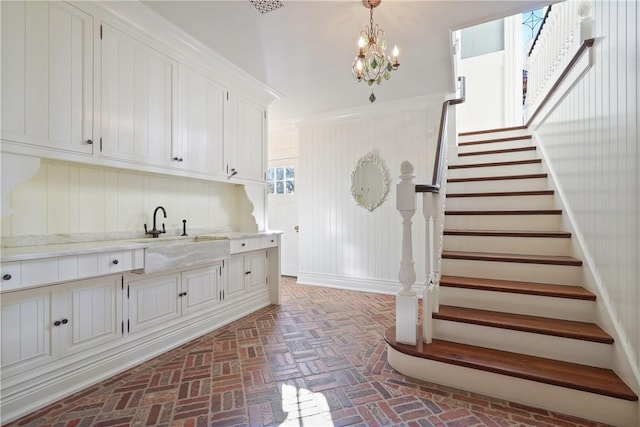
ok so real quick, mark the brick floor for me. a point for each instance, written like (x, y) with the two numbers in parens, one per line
(317, 360)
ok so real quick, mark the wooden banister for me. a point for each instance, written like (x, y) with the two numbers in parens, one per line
(441, 149)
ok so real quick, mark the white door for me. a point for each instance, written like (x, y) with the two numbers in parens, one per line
(283, 212)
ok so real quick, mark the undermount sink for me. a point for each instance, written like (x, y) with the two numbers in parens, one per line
(176, 253)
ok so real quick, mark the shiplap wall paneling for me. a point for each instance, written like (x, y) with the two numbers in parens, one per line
(591, 144)
(341, 243)
(66, 198)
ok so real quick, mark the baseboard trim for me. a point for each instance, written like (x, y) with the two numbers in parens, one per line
(361, 284)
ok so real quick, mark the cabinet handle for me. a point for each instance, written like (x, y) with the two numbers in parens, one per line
(65, 321)
(247, 272)
(90, 142)
(115, 262)
(6, 277)
(178, 159)
(182, 294)
(56, 323)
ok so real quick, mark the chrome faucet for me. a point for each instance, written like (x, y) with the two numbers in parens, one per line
(155, 232)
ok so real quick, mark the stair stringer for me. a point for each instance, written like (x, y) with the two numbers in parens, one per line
(577, 403)
(622, 359)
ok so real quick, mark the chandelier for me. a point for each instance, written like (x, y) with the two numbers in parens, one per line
(371, 65)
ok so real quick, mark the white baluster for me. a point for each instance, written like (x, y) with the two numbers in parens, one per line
(406, 299)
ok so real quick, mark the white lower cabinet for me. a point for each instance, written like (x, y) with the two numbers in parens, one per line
(161, 298)
(44, 324)
(247, 273)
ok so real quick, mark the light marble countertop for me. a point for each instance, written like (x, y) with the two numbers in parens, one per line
(97, 245)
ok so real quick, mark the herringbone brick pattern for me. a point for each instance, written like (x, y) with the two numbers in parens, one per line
(319, 359)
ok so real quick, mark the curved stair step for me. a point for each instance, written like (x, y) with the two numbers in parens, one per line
(520, 322)
(512, 233)
(501, 151)
(516, 287)
(508, 212)
(526, 259)
(492, 140)
(504, 193)
(564, 374)
(491, 164)
(499, 178)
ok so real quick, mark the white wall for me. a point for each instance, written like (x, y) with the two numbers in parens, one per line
(591, 146)
(69, 198)
(342, 244)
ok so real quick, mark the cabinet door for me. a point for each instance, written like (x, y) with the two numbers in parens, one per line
(201, 289)
(93, 309)
(256, 264)
(47, 75)
(28, 334)
(245, 138)
(137, 100)
(201, 124)
(153, 302)
(237, 277)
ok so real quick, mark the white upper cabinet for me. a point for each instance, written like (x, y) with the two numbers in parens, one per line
(245, 137)
(47, 75)
(138, 108)
(200, 146)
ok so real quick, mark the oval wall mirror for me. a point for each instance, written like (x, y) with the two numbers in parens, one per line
(370, 181)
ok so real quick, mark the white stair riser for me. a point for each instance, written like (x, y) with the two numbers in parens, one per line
(532, 305)
(539, 273)
(504, 222)
(540, 345)
(509, 245)
(501, 202)
(529, 184)
(495, 145)
(495, 157)
(530, 393)
(473, 172)
(493, 135)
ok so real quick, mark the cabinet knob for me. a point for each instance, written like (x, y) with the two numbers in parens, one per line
(65, 321)
(178, 159)
(6, 277)
(115, 262)
(247, 272)
(244, 244)
(57, 323)
(89, 141)
(182, 294)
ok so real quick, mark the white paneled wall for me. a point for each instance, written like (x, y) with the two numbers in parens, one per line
(342, 244)
(68, 198)
(591, 144)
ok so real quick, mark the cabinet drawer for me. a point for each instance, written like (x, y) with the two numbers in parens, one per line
(10, 276)
(253, 244)
(44, 271)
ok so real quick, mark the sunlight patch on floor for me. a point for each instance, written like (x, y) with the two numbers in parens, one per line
(305, 408)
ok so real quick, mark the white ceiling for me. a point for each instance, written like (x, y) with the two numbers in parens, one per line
(304, 50)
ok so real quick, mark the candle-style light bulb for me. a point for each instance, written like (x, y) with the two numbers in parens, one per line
(361, 43)
(396, 64)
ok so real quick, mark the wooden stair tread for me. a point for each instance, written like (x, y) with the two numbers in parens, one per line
(509, 233)
(500, 151)
(525, 323)
(499, 178)
(504, 193)
(516, 287)
(496, 130)
(521, 258)
(508, 212)
(491, 164)
(564, 374)
(492, 140)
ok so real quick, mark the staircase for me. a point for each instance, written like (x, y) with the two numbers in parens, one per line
(514, 321)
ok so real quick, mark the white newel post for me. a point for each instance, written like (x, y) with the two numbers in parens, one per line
(406, 299)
